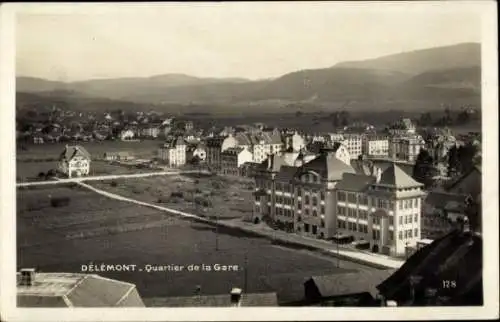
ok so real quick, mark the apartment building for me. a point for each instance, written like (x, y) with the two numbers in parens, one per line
(173, 152)
(295, 142)
(375, 146)
(406, 148)
(214, 148)
(301, 198)
(233, 158)
(260, 144)
(354, 143)
(384, 209)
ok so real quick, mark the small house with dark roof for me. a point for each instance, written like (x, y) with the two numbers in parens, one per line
(345, 289)
(50, 290)
(74, 161)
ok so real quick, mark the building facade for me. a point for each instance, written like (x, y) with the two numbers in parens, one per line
(354, 143)
(375, 146)
(173, 152)
(233, 159)
(74, 161)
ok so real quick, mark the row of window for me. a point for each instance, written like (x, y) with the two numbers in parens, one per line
(284, 212)
(408, 219)
(301, 192)
(408, 234)
(284, 200)
(352, 212)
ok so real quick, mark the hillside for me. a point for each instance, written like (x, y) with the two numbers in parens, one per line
(433, 75)
(424, 60)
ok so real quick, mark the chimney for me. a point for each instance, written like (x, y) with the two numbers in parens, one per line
(235, 296)
(27, 276)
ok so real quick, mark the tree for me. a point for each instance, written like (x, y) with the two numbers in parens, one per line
(425, 119)
(423, 170)
(466, 156)
(454, 166)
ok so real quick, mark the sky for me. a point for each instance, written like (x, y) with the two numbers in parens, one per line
(248, 40)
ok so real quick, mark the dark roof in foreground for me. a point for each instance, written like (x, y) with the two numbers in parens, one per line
(350, 283)
(355, 182)
(456, 256)
(328, 166)
(220, 300)
(77, 290)
(73, 151)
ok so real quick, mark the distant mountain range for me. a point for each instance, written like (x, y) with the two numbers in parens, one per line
(442, 73)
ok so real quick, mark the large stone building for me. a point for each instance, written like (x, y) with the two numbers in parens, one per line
(233, 159)
(325, 198)
(406, 148)
(375, 146)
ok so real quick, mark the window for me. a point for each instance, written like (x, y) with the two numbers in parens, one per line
(352, 198)
(307, 200)
(322, 223)
(322, 211)
(406, 234)
(299, 205)
(307, 211)
(416, 232)
(400, 235)
(400, 220)
(391, 221)
(391, 235)
(410, 219)
(322, 195)
(341, 196)
(306, 228)
(299, 191)
(341, 211)
(315, 201)
(416, 218)
(315, 213)
(363, 200)
(400, 205)
(410, 233)
(314, 229)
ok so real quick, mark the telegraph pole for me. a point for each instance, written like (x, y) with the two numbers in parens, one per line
(217, 231)
(246, 271)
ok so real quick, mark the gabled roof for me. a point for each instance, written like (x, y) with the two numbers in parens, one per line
(457, 255)
(77, 290)
(286, 173)
(394, 176)
(350, 283)
(328, 166)
(73, 151)
(355, 182)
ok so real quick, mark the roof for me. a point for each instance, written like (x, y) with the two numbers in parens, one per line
(355, 182)
(328, 166)
(77, 290)
(232, 151)
(394, 176)
(286, 173)
(350, 283)
(440, 199)
(457, 256)
(272, 163)
(215, 141)
(221, 300)
(73, 151)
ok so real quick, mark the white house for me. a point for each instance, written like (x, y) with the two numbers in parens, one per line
(74, 161)
(173, 152)
(127, 135)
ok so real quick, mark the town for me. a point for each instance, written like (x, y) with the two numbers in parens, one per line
(375, 196)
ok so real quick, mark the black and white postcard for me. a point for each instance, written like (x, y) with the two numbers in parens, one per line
(249, 161)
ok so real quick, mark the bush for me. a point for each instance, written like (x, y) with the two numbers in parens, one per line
(113, 183)
(60, 201)
(41, 175)
(177, 194)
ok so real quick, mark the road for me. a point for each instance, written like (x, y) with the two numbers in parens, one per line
(106, 177)
(376, 260)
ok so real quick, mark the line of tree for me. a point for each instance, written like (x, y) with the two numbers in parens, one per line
(424, 170)
(448, 118)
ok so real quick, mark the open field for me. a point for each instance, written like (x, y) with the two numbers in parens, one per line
(203, 195)
(28, 171)
(93, 229)
(140, 149)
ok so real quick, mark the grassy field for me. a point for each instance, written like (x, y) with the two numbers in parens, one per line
(93, 229)
(141, 149)
(230, 197)
(28, 171)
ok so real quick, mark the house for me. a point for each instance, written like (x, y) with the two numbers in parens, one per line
(442, 212)
(345, 289)
(235, 298)
(173, 152)
(196, 151)
(118, 156)
(149, 131)
(215, 147)
(447, 272)
(406, 148)
(50, 290)
(74, 161)
(233, 159)
(127, 134)
(375, 146)
(294, 141)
